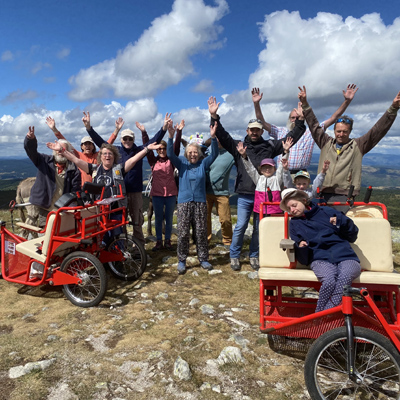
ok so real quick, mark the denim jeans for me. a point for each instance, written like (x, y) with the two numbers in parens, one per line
(245, 206)
(159, 202)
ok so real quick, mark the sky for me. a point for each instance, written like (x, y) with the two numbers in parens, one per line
(139, 60)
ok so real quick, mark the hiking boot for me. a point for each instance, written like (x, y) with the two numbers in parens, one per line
(206, 265)
(181, 267)
(235, 265)
(158, 246)
(254, 263)
(167, 245)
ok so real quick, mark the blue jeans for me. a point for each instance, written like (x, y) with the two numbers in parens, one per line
(159, 202)
(245, 206)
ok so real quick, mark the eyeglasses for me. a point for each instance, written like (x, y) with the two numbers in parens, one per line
(107, 154)
(127, 139)
(255, 120)
(345, 120)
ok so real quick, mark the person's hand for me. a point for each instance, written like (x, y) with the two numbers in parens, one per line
(350, 92)
(287, 144)
(51, 123)
(325, 166)
(213, 129)
(303, 243)
(86, 120)
(256, 96)
(303, 95)
(167, 118)
(213, 106)
(241, 149)
(119, 123)
(31, 133)
(333, 220)
(171, 129)
(396, 101)
(180, 126)
(285, 163)
(140, 127)
(154, 146)
(54, 146)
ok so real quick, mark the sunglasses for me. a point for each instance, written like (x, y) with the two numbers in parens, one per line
(127, 139)
(255, 120)
(161, 149)
(345, 120)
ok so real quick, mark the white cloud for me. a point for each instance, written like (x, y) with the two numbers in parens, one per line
(204, 86)
(63, 53)
(7, 56)
(159, 58)
(19, 96)
(39, 66)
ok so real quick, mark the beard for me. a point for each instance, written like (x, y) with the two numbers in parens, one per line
(59, 158)
(290, 125)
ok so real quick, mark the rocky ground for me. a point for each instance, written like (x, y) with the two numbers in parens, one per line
(164, 336)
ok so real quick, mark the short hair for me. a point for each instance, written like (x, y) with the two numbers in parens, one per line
(199, 150)
(344, 119)
(164, 143)
(67, 144)
(113, 150)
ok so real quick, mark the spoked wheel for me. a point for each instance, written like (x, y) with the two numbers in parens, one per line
(91, 271)
(134, 259)
(377, 363)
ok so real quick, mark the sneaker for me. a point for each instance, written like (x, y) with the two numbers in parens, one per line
(254, 263)
(167, 245)
(181, 267)
(158, 246)
(235, 265)
(206, 265)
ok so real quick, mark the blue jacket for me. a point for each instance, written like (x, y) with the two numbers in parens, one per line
(192, 177)
(134, 178)
(325, 241)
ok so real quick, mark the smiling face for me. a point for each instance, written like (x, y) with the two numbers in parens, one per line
(342, 133)
(301, 183)
(192, 154)
(254, 134)
(107, 158)
(127, 141)
(87, 148)
(296, 207)
(267, 170)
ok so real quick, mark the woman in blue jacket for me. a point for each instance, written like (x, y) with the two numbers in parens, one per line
(192, 206)
(322, 238)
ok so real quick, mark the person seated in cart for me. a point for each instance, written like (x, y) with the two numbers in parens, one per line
(107, 171)
(322, 238)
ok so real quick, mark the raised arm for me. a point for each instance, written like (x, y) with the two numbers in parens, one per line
(257, 97)
(214, 147)
(83, 165)
(130, 163)
(177, 144)
(119, 123)
(348, 95)
(51, 123)
(92, 133)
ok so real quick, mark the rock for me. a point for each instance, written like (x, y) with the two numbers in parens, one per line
(230, 354)
(182, 370)
(162, 296)
(16, 372)
(215, 272)
(207, 309)
(193, 302)
(241, 323)
(252, 275)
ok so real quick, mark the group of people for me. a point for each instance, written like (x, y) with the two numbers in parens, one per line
(264, 168)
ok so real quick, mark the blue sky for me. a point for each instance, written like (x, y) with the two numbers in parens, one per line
(139, 60)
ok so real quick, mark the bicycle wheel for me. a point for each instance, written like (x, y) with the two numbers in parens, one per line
(377, 361)
(87, 267)
(134, 259)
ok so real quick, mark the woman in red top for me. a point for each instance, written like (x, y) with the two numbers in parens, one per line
(163, 188)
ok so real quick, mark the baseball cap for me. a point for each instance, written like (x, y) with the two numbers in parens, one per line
(127, 132)
(87, 139)
(267, 161)
(303, 174)
(255, 123)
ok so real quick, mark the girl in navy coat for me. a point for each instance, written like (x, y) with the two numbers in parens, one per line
(322, 238)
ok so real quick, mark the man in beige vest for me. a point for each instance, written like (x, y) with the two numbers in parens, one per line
(344, 153)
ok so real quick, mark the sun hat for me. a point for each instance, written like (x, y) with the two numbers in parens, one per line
(291, 193)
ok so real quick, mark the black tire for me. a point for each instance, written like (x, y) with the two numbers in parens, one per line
(91, 291)
(376, 360)
(135, 259)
